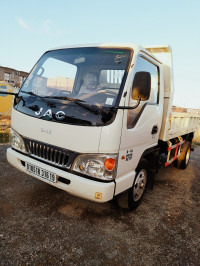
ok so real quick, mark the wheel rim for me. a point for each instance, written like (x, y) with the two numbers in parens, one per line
(187, 157)
(140, 185)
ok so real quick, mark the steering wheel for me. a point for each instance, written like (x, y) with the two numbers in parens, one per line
(63, 93)
(112, 93)
(107, 92)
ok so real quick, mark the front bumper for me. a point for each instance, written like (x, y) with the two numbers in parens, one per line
(78, 186)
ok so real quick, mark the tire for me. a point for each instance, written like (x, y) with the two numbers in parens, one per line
(132, 197)
(183, 160)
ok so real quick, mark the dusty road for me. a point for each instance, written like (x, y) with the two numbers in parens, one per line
(41, 225)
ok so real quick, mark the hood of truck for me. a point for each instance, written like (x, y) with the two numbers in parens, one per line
(82, 139)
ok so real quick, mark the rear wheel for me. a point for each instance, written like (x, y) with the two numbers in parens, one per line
(183, 160)
(132, 198)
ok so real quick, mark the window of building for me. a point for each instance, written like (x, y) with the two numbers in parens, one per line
(20, 80)
(6, 76)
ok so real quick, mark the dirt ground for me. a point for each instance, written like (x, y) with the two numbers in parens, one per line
(42, 225)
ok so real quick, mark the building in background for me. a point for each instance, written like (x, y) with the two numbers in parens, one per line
(12, 76)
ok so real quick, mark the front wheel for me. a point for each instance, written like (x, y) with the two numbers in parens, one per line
(132, 198)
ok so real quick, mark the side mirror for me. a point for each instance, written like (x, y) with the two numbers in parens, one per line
(141, 86)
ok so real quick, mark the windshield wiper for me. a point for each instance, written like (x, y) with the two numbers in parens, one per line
(62, 98)
(54, 97)
(29, 92)
(76, 101)
(18, 98)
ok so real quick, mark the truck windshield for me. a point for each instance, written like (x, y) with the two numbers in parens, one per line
(76, 82)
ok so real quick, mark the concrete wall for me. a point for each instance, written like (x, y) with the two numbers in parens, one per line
(197, 136)
(6, 101)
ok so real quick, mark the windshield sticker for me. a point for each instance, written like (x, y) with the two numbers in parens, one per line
(118, 58)
(109, 101)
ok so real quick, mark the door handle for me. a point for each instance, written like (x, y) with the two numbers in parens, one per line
(154, 129)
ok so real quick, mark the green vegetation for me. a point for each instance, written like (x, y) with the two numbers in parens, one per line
(4, 136)
(196, 143)
(5, 121)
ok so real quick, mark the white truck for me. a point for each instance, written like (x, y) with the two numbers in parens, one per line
(96, 121)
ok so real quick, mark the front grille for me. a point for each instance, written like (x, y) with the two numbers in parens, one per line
(49, 153)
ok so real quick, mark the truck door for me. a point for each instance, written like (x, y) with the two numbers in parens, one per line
(141, 126)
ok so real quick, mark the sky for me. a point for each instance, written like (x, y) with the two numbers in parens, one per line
(29, 28)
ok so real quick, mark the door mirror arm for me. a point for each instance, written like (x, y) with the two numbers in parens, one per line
(8, 93)
(17, 98)
(129, 107)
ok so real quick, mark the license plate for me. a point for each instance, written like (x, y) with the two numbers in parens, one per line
(44, 174)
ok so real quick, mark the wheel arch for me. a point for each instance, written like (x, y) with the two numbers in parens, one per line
(188, 137)
(150, 155)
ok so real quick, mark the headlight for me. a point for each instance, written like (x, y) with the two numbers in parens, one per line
(101, 166)
(17, 141)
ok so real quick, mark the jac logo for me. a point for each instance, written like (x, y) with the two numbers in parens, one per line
(60, 115)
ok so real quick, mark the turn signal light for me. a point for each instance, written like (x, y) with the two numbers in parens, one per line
(109, 164)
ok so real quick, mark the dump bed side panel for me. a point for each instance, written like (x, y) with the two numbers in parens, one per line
(182, 123)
